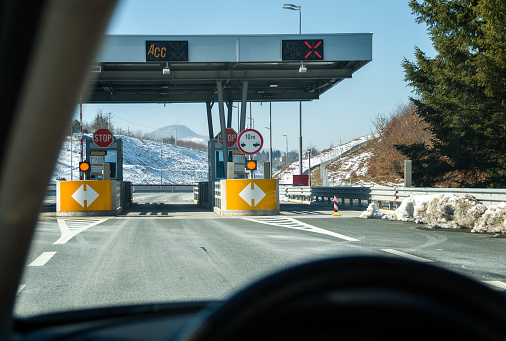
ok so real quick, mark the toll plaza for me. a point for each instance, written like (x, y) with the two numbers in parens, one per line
(220, 70)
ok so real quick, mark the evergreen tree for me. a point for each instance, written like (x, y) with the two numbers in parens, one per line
(461, 93)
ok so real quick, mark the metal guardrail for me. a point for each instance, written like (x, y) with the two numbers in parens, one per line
(389, 197)
(162, 188)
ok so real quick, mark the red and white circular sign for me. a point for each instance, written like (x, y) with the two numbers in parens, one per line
(250, 141)
(103, 138)
(231, 137)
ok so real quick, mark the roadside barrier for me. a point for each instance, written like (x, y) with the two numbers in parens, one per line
(336, 206)
(385, 197)
(162, 188)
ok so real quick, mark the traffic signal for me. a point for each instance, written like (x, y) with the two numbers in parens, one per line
(251, 165)
(85, 167)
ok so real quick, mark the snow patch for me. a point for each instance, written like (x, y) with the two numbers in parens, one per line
(446, 211)
(373, 212)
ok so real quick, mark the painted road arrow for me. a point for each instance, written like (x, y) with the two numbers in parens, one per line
(249, 195)
(81, 195)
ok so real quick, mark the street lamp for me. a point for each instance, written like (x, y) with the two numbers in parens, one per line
(301, 69)
(286, 156)
(270, 136)
(294, 8)
(309, 165)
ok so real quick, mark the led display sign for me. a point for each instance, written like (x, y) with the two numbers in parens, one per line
(167, 51)
(302, 49)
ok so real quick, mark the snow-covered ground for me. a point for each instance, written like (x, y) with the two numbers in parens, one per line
(446, 211)
(350, 167)
(285, 176)
(142, 160)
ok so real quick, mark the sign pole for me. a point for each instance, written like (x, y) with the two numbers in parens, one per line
(81, 130)
(270, 140)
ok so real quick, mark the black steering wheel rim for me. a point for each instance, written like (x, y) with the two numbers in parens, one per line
(478, 307)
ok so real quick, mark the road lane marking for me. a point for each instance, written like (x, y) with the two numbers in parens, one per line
(406, 255)
(72, 227)
(42, 259)
(497, 284)
(20, 288)
(298, 225)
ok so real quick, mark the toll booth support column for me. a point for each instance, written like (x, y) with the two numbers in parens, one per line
(230, 106)
(219, 85)
(209, 106)
(244, 98)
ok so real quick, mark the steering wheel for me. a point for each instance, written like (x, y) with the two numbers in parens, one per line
(356, 297)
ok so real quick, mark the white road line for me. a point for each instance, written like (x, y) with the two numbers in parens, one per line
(406, 255)
(498, 284)
(71, 227)
(21, 287)
(42, 259)
(298, 225)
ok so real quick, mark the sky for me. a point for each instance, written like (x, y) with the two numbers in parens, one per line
(345, 112)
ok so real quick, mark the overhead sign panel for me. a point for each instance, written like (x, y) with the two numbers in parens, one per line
(302, 49)
(167, 51)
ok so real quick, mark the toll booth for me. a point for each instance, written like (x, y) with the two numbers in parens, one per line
(102, 158)
(216, 171)
(216, 162)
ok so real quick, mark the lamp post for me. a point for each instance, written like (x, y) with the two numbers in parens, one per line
(270, 136)
(293, 7)
(286, 156)
(309, 165)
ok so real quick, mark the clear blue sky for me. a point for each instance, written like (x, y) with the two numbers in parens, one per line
(345, 112)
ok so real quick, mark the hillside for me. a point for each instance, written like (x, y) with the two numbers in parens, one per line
(142, 161)
(350, 167)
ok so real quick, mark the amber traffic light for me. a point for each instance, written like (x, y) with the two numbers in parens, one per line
(84, 166)
(251, 165)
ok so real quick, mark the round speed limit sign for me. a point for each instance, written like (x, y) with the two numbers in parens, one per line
(250, 141)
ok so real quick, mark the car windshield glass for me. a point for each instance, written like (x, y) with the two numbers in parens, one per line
(219, 142)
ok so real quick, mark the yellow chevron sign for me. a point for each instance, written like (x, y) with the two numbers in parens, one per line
(89, 195)
(251, 194)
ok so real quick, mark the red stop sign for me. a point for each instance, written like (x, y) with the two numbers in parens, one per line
(103, 138)
(231, 137)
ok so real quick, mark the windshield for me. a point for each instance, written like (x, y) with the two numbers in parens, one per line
(348, 139)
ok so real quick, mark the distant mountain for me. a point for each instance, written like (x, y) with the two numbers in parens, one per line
(182, 132)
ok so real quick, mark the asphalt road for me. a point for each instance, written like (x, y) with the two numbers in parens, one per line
(166, 250)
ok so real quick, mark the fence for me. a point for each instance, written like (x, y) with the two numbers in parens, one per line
(148, 188)
(387, 197)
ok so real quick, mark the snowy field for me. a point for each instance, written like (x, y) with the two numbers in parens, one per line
(285, 176)
(142, 161)
(446, 211)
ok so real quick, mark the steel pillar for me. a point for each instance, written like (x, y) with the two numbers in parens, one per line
(219, 85)
(209, 106)
(300, 137)
(230, 106)
(243, 106)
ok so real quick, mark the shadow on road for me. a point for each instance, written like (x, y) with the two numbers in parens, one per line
(162, 209)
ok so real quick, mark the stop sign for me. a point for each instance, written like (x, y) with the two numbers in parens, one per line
(231, 137)
(103, 138)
